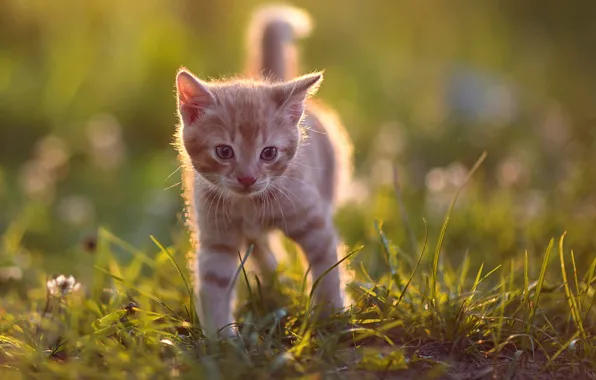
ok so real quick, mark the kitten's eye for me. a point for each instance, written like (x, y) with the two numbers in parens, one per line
(269, 153)
(225, 152)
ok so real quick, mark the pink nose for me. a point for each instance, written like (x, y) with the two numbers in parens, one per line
(247, 181)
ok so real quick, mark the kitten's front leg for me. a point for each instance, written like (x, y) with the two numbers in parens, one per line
(318, 239)
(217, 263)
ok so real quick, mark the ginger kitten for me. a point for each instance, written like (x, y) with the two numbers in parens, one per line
(259, 156)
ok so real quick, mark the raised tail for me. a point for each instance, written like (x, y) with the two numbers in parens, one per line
(271, 34)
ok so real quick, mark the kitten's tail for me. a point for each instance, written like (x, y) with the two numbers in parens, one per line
(271, 34)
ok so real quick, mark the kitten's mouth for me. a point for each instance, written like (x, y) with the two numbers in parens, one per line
(247, 191)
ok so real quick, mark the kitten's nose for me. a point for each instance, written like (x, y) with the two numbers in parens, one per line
(247, 181)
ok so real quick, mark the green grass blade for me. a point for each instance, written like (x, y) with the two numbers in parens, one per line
(403, 210)
(316, 283)
(589, 278)
(131, 286)
(501, 311)
(242, 269)
(463, 275)
(435, 268)
(538, 290)
(573, 307)
(576, 281)
(126, 247)
(389, 257)
(526, 279)
(565, 346)
(189, 289)
(403, 292)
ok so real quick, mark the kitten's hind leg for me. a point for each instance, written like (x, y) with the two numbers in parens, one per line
(318, 239)
(263, 256)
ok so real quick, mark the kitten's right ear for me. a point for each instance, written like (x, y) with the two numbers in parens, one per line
(194, 96)
(293, 94)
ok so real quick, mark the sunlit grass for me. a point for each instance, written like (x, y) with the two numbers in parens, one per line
(134, 317)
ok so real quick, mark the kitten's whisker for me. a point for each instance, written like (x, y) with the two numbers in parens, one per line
(283, 219)
(228, 211)
(286, 189)
(270, 215)
(306, 166)
(215, 211)
(279, 183)
(211, 200)
(172, 186)
(252, 202)
(261, 210)
(266, 209)
(174, 172)
(315, 131)
(220, 198)
(282, 192)
(300, 180)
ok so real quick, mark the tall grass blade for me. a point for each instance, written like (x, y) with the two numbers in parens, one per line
(573, 307)
(435, 268)
(126, 247)
(526, 279)
(390, 257)
(403, 211)
(189, 289)
(131, 286)
(243, 269)
(403, 292)
(589, 278)
(576, 282)
(534, 305)
(317, 282)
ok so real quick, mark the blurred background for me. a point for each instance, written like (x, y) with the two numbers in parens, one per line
(87, 112)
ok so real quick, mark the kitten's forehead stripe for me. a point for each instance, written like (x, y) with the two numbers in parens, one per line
(246, 111)
(250, 133)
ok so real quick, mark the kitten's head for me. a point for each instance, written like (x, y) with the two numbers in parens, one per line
(242, 135)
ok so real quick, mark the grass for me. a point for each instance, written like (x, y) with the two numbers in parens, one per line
(134, 318)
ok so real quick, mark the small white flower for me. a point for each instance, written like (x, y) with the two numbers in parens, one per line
(62, 285)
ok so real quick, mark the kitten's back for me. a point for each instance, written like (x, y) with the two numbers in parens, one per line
(323, 119)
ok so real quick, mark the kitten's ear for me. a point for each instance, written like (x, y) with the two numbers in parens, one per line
(293, 94)
(194, 96)
(306, 85)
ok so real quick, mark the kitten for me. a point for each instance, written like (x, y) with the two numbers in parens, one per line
(258, 156)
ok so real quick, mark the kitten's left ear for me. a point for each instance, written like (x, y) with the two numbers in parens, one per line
(293, 94)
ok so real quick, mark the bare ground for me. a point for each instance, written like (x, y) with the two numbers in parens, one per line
(439, 361)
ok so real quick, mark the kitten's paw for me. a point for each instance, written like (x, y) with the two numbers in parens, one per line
(325, 309)
(211, 332)
(228, 332)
